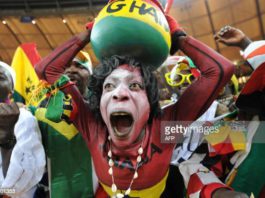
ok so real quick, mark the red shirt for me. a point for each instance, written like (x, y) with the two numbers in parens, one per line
(215, 70)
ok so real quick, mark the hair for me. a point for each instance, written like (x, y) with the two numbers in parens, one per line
(105, 68)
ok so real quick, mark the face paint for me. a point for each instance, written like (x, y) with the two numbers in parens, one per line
(124, 105)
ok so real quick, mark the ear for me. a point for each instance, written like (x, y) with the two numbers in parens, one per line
(10, 94)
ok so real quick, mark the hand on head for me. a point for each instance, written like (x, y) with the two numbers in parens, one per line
(176, 32)
(90, 25)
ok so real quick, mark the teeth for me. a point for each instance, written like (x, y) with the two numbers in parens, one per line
(120, 113)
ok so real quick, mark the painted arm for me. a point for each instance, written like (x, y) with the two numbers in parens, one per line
(53, 66)
(215, 70)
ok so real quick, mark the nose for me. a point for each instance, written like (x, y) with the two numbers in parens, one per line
(71, 69)
(121, 93)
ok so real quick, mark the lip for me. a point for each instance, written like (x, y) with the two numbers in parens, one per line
(125, 125)
(73, 78)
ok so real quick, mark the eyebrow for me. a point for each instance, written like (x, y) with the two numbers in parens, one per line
(117, 78)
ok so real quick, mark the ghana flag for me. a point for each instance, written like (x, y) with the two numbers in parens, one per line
(25, 57)
(69, 161)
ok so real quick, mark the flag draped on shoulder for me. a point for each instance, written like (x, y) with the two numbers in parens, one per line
(25, 57)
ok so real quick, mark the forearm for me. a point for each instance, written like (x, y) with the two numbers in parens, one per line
(215, 70)
(205, 58)
(53, 66)
(6, 155)
(245, 43)
(7, 143)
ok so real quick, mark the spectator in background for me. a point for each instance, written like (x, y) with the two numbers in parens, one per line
(181, 76)
(247, 172)
(22, 154)
(70, 166)
(235, 157)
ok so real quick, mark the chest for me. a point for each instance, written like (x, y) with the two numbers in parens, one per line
(151, 169)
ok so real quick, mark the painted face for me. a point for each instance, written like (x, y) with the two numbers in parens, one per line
(79, 75)
(124, 105)
(6, 84)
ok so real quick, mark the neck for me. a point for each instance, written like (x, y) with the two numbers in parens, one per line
(6, 100)
(131, 150)
(140, 137)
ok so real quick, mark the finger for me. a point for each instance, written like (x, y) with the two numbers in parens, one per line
(222, 41)
(224, 29)
(217, 37)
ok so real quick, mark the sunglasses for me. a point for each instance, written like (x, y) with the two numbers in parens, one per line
(179, 79)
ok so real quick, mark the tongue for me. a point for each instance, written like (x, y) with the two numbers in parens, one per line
(123, 125)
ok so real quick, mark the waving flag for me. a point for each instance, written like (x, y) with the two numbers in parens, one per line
(25, 57)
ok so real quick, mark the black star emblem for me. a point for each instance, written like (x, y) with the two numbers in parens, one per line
(27, 90)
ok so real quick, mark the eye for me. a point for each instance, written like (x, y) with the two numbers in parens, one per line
(79, 66)
(136, 86)
(109, 86)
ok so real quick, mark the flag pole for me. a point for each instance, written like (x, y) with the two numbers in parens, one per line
(168, 6)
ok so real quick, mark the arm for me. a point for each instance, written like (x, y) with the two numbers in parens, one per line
(198, 179)
(202, 182)
(8, 117)
(6, 155)
(255, 53)
(27, 161)
(231, 36)
(53, 66)
(215, 70)
(252, 51)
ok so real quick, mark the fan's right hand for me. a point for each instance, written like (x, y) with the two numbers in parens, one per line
(231, 36)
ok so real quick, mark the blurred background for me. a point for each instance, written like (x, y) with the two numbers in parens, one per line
(48, 23)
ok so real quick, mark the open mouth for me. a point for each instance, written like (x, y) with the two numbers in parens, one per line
(73, 78)
(122, 123)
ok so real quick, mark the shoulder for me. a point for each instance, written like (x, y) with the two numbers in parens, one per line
(26, 119)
